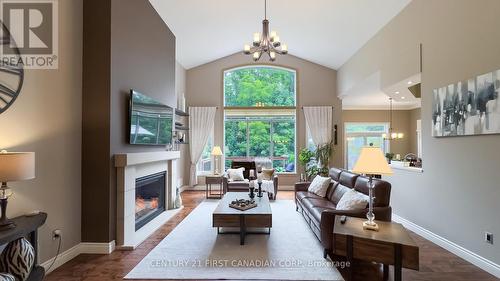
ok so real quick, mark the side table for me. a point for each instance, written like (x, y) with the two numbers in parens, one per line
(209, 192)
(391, 245)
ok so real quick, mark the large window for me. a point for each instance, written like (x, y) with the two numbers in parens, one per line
(260, 115)
(358, 135)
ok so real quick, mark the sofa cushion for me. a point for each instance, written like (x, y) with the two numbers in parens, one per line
(381, 191)
(317, 202)
(348, 179)
(319, 185)
(335, 173)
(353, 200)
(338, 193)
(306, 194)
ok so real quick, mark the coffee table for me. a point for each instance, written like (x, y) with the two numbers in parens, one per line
(258, 217)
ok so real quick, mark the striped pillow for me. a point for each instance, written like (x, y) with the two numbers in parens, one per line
(6, 277)
(18, 259)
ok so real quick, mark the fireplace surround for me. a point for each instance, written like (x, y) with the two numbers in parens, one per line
(140, 214)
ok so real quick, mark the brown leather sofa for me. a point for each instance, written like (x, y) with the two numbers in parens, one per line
(319, 212)
(243, 186)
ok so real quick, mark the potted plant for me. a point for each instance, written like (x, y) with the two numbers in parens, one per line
(305, 158)
(323, 154)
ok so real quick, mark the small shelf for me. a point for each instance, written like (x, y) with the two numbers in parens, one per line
(179, 128)
(180, 113)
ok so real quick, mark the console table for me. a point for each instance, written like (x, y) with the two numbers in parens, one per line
(391, 245)
(27, 226)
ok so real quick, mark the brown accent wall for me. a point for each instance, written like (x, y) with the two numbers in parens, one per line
(95, 120)
(127, 46)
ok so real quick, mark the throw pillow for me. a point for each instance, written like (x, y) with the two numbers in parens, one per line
(319, 185)
(236, 174)
(353, 200)
(6, 277)
(267, 174)
(18, 259)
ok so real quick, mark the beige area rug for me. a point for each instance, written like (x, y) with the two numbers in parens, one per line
(193, 250)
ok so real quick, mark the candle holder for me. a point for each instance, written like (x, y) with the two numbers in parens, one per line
(259, 193)
(251, 186)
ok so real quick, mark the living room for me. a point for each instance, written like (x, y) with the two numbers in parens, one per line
(272, 140)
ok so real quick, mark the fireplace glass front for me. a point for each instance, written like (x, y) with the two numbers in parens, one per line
(149, 198)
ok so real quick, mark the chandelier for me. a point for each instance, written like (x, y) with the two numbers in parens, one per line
(392, 135)
(266, 42)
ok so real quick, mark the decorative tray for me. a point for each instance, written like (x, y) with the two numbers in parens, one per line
(243, 204)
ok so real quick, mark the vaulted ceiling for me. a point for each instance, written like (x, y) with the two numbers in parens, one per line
(327, 32)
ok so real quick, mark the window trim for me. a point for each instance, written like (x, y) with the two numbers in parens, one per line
(294, 108)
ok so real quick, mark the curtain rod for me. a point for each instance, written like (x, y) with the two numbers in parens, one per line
(302, 107)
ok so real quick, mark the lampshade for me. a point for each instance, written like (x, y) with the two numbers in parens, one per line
(371, 161)
(17, 166)
(216, 151)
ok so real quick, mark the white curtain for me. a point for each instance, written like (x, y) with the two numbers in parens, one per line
(319, 120)
(201, 123)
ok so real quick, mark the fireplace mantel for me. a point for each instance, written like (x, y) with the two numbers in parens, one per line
(129, 167)
(132, 159)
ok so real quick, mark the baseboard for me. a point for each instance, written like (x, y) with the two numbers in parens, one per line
(456, 249)
(63, 257)
(73, 252)
(97, 248)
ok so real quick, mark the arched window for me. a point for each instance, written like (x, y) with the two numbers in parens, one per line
(260, 115)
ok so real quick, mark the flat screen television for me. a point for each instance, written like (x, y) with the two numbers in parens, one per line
(151, 122)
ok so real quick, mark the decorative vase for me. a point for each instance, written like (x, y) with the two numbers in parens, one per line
(178, 199)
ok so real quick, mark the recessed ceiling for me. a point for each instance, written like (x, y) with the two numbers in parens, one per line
(327, 32)
(368, 95)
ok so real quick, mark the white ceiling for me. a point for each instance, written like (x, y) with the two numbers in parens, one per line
(327, 32)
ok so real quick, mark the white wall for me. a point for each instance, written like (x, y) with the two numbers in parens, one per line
(457, 196)
(46, 119)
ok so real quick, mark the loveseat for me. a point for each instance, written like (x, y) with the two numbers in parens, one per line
(319, 212)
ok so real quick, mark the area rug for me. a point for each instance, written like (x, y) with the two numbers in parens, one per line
(193, 250)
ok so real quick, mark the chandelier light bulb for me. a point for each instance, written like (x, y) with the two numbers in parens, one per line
(384, 136)
(256, 38)
(256, 55)
(394, 135)
(273, 35)
(246, 49)
(276, 39)
(284, 48)
(272, 55)
(400, 135)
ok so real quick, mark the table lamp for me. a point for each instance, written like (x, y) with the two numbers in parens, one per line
(371, 162)
(14, 166)
(216, 152)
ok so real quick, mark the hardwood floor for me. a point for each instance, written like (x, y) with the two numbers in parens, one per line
(435, 262)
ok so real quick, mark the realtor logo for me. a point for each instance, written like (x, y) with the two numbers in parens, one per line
(33, 28)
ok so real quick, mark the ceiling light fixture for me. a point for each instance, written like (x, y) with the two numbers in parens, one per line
(397, 93)
(403, 98)
(410, 82)
(392, 135)
(267, 42)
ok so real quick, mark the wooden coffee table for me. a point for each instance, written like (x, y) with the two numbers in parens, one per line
(258, 217)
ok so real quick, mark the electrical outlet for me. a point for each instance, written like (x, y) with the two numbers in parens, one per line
(488, 237)
(56, 234)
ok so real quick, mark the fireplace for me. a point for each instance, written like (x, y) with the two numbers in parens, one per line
(149, 198)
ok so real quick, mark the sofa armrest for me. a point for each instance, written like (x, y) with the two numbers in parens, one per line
(275, 183)
(225, 180)
(302, 186)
